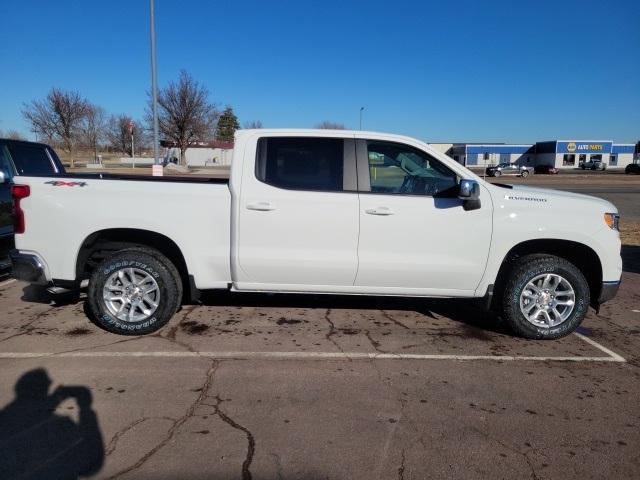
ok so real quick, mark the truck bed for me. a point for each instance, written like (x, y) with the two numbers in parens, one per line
(63, 212)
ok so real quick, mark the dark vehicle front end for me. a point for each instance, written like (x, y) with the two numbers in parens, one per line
(491, 171)
(546, 169)
(632, 168)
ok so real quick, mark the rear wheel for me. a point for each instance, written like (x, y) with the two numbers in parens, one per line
(525, 173)
(134, 292)
(546, 297)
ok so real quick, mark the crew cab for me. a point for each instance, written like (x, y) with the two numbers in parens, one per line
(319, 211)
(18, 157)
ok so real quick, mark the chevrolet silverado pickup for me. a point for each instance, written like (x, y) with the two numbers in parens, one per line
(318, 211)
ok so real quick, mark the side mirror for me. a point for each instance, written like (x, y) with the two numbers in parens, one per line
(469, 190)
(470, 194)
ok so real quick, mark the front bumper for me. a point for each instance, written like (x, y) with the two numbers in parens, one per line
(608, 290)
(28, 267)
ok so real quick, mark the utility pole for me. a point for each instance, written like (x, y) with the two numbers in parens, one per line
(154, 87)
(133, 152)
(361, 109)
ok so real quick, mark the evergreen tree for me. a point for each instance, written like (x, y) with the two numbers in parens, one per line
(227, 125)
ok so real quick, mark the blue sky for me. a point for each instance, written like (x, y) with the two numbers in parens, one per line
(440, 71)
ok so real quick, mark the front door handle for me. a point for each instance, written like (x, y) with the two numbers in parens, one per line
(383, 211)
(261, 206)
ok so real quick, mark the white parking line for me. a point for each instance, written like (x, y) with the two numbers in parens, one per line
(305, 356)
(611, 353)
(7, 282)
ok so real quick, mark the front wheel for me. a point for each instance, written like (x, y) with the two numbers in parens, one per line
(546, 297)
(497, 173)
(134, 292)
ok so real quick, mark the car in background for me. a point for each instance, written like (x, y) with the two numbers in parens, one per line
(508, 169)
(594, 165)
(633, 168)
(19, 157)
(546, 169)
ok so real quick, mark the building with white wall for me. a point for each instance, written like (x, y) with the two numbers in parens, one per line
(204, 154)
(623, 154)
(573, 153)
(485, 154)
(563, 154)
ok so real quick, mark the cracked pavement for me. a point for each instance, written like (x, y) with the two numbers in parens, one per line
(194, 416)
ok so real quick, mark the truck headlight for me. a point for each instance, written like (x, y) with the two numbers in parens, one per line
(612, 220)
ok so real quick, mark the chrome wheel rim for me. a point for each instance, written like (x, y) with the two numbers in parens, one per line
(547, 300)
(131, 294)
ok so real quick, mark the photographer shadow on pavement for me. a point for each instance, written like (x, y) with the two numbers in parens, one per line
(37, 442)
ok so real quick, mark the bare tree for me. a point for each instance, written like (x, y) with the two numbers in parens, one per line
(252, 124)
(185, 113)
(93, 127)
(13, 135)
(58, 117)
(118, 134)
(327, 125)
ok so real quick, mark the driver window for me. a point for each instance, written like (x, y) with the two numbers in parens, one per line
(397, 168)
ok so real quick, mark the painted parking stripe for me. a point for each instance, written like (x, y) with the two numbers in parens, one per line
(602, 348)
(305, 356)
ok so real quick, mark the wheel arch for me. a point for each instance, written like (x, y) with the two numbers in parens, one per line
(579, 254)
(101, 243)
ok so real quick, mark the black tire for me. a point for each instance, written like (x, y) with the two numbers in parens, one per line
(497, 173)
(525, 173)
(151, 262)
(524, 270)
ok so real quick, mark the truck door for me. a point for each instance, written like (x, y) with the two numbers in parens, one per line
(298, 215)
(415, 235)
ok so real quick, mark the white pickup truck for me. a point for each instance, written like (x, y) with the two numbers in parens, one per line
(319, 211)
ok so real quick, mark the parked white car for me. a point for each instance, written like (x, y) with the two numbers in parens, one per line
(593, 165)
(319, 211)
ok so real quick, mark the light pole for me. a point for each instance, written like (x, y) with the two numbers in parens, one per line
(361, 109)
(154, 86)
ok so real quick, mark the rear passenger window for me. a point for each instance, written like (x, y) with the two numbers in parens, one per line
(300, 163)
(31, 160)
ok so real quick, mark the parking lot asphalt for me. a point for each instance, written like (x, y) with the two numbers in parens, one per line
(322, 387)
(315, 387)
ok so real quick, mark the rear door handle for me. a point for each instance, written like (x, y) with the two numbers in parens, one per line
(383, 211)
(261, 206)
